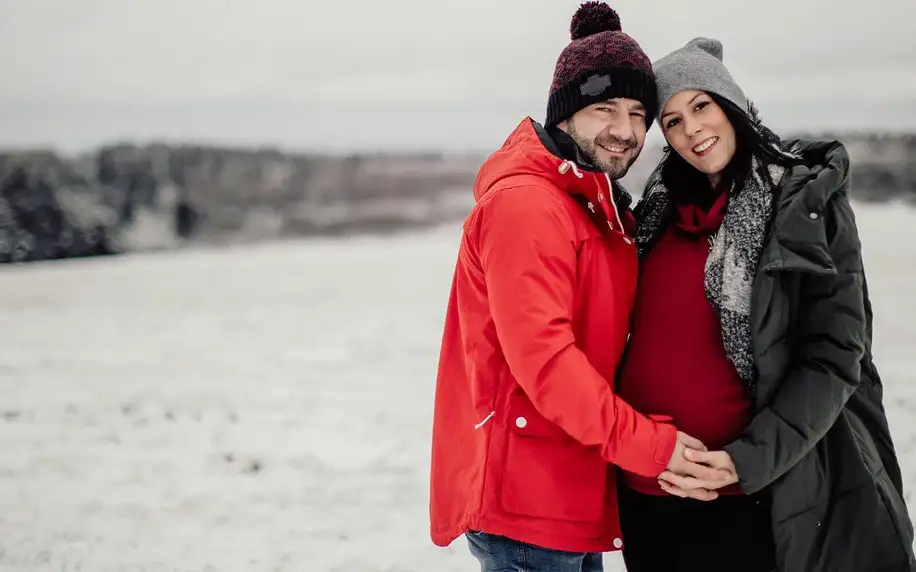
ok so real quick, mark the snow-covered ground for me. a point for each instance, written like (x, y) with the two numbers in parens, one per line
(268, 407)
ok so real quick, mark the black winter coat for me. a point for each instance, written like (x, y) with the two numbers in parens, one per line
(820, 442)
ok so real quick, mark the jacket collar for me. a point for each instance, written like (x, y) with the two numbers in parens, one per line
(530, 153)
(799, 238)
(560, 144)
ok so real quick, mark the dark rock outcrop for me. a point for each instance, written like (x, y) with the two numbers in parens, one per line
(49, 211)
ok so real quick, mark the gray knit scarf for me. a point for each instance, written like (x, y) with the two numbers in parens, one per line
(734, 251)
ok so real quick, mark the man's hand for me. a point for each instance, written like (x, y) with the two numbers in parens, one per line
(720, 472)
(687, 477)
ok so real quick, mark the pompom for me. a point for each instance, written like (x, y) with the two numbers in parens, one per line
(592, 18)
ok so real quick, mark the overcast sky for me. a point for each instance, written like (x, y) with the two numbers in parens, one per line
(395, 74)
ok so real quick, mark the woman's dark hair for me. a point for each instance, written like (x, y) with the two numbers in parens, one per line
(689, 185)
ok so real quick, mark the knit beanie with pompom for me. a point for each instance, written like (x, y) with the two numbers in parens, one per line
(600, 63)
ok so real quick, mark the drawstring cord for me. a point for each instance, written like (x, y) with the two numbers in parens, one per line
(565, 167)
(610, 186)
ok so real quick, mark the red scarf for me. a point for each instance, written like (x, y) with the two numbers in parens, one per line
(694, 219)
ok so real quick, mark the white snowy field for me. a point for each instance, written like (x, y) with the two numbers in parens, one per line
(268, 407)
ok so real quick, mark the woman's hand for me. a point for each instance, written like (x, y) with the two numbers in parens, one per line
(690, 487)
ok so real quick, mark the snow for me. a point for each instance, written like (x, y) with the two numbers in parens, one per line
(268, 407)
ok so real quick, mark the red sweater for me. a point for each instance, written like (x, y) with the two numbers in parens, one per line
(676, 363)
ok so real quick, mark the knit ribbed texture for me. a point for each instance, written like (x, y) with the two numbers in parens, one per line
(697, 66)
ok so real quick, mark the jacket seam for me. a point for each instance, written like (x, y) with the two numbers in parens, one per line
(548, 190)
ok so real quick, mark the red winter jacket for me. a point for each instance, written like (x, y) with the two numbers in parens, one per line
(526, 422)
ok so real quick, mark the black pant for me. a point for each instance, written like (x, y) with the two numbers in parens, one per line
(671, 534)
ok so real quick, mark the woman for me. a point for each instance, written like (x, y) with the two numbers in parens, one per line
(752, 330)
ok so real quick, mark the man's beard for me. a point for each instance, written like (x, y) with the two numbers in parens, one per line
(615, 167)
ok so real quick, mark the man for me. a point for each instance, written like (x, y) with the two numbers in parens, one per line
(527, 427)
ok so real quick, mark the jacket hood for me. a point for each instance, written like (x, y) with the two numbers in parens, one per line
(526, 152)
(799, 227)
(824, 174)
(530, 156)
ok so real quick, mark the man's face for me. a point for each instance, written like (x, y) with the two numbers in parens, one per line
(610, 133)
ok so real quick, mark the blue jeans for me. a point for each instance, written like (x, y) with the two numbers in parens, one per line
(501, 554)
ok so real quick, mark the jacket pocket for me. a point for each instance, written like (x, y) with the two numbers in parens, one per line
(548, 474)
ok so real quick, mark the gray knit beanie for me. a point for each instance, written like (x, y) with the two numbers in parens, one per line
(698, 65)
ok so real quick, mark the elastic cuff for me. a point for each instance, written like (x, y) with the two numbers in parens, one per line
(739, 451)
(664, 448)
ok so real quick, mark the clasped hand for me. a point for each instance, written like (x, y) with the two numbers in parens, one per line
(695, 472)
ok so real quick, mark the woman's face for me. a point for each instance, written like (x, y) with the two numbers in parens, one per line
(697, 128)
